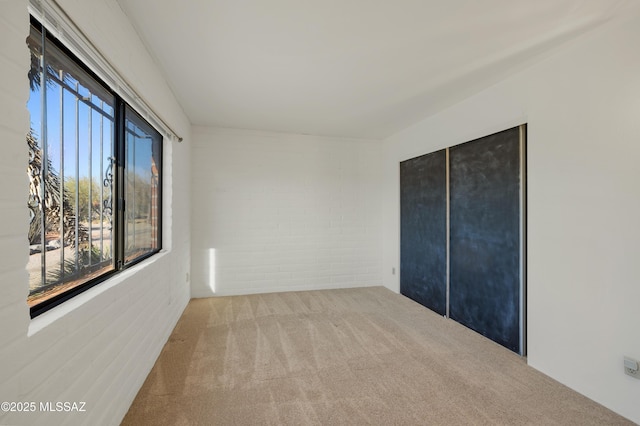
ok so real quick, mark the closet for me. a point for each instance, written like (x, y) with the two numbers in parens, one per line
(462, 234)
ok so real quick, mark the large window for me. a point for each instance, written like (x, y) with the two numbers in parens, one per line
(95, 177)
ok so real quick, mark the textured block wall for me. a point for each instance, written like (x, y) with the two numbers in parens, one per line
(99, 347)
(279, 212)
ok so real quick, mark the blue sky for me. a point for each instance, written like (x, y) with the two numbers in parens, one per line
(83, 120)
(101, 134)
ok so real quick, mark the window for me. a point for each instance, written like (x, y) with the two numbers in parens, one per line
(142, 154)
(95, 177)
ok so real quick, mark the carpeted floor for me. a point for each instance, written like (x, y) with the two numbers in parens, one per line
(344, 357)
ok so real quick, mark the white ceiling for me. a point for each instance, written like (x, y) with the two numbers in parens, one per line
(355, 68)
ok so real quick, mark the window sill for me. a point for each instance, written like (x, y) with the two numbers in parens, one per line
(45, 319)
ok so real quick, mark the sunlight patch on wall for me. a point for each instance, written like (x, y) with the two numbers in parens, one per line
(212, 269)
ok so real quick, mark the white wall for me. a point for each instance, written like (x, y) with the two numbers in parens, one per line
(284, 212)
(583, 109)
(99, 347)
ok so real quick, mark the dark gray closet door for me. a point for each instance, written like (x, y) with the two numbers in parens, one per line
(485, 236)
(423, 232)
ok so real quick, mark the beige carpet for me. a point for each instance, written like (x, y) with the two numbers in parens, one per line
(344, 357)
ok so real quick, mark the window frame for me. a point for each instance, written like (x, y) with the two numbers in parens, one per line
(121, 109)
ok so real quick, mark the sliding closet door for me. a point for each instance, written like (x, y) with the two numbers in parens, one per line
(485, 244)
(423, 230)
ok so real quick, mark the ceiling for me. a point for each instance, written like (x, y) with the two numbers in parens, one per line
(351, 68)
